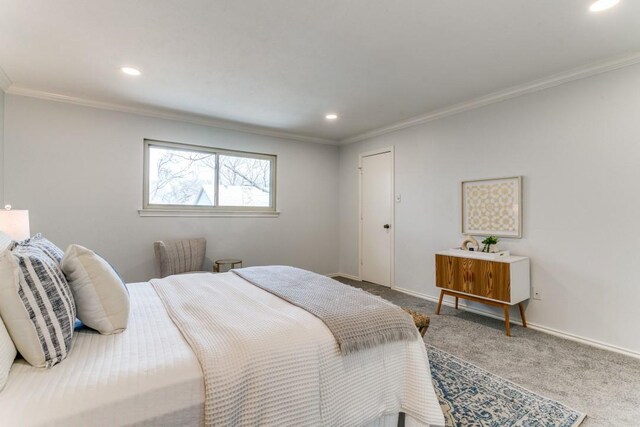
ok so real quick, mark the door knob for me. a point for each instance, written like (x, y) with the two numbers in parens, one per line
(387, 226)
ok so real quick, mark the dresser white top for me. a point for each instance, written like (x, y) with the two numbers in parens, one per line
(469, 254)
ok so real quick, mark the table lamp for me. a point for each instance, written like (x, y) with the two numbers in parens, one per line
(15, 223)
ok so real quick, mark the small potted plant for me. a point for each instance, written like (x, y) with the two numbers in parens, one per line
(488, 242)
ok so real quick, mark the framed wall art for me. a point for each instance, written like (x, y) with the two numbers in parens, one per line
(492, 207)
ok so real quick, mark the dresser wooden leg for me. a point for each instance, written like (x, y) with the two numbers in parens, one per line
(440, 302)
(506, 320)
(524, 321)
(456, 303)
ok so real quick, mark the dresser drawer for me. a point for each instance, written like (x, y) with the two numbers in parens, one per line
(486, 279)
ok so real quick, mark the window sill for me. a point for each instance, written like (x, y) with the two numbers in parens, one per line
(204, 214)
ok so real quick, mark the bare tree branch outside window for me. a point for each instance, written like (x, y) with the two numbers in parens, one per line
(183, 177)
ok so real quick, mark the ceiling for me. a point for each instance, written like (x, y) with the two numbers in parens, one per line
(284, 64)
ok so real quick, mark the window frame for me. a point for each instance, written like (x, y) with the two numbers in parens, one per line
(194, 210)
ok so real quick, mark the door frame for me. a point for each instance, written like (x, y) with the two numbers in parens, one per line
(383, 150)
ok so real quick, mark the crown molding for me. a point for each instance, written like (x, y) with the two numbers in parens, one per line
(5, 81)
(503, 95)
(163, 114)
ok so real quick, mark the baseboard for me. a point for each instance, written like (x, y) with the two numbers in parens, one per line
(534, 326)
(346, 276)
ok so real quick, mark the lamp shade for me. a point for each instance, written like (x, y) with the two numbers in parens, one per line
(15, 224)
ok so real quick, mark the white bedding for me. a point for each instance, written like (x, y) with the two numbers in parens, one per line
(146, 374)
(149, 375)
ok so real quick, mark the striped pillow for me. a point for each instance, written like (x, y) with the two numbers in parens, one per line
(36, 305)
(51, 250)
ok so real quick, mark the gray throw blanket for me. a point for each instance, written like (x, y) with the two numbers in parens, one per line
(357, 319)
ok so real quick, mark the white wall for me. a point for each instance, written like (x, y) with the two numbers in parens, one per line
(79, 172)
(578, 147)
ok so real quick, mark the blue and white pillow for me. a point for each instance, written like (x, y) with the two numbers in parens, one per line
(36, 303)
(51, 250)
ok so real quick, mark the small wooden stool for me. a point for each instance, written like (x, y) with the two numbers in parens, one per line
(230, 262)
(421, 320)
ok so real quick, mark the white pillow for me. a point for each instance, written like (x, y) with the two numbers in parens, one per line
(7, 348)
(7, 354)
(101, 297)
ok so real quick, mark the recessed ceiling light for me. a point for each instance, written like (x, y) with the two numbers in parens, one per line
(600, 5)
(331, 116)
(130, 71)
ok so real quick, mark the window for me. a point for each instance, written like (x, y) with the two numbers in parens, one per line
(193, 178)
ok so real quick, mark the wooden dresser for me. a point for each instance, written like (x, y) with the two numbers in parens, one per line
(501, 282)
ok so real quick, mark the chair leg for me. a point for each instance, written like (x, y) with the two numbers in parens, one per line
(456, 303)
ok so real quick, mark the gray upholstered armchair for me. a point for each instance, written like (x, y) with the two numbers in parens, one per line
(180, 256)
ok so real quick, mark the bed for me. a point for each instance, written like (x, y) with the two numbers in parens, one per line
(149, 374)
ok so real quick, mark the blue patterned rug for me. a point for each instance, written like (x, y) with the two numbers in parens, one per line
(470, 396)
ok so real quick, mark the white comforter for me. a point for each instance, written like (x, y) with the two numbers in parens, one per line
(268, 362)
(149, 375)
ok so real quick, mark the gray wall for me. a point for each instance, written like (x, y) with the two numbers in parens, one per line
(79, 172)
(578, 147)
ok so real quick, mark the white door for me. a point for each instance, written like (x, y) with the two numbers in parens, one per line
(376, 199)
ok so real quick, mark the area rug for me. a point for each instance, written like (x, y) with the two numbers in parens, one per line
(470, 396)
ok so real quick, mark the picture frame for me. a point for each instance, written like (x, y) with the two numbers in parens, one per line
(492, 207)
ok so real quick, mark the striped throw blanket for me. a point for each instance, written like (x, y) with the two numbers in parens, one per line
(357, 319)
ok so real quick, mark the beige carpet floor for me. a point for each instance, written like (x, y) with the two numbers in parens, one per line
(603, 384)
